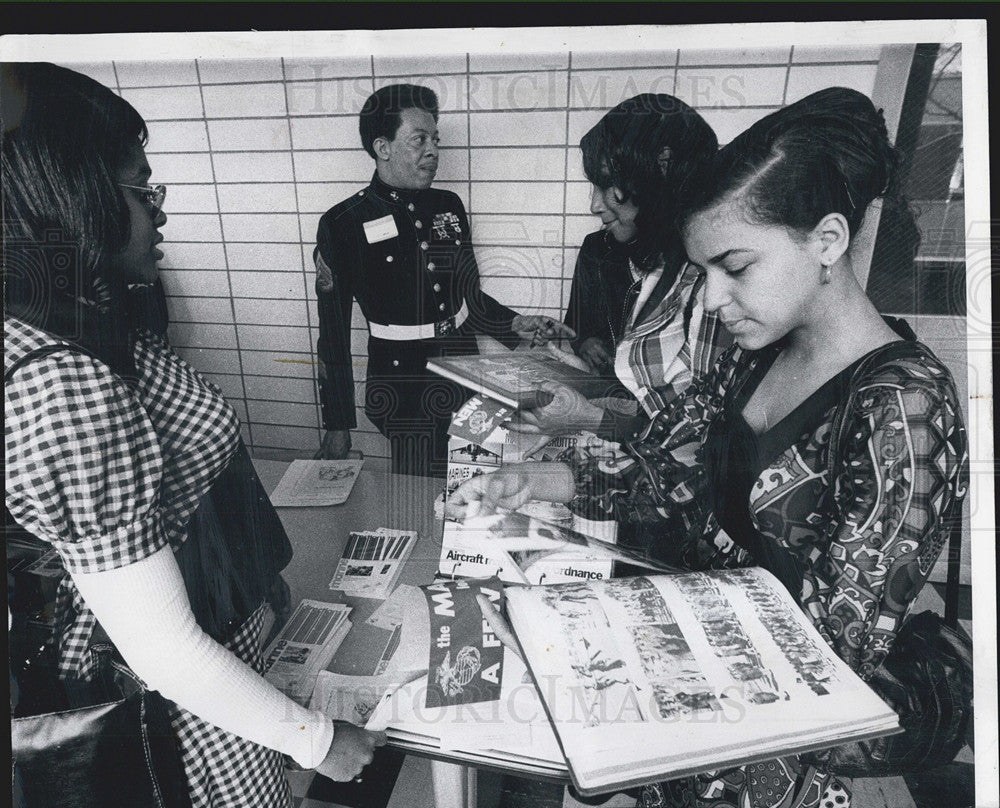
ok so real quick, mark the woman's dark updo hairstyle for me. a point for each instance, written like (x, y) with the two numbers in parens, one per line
(646, 147)
(828, 153)
(65, 219)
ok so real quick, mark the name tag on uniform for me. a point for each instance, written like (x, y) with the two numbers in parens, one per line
(380, 229)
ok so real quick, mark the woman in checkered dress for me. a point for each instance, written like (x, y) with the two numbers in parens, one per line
(112, 443)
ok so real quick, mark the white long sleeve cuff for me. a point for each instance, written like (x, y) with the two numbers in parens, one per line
(145, 610)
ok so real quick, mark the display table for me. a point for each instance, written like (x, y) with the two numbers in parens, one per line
(319, 536)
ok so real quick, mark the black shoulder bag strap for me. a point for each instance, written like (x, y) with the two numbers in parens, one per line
(44, 350)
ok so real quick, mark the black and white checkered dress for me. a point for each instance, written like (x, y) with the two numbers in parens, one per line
(110, 475)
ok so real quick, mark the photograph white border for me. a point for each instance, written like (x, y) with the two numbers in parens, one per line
(979, 240)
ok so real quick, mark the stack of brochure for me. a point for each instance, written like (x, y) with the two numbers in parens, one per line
(525, 555)
(305, 646)
(372, 562)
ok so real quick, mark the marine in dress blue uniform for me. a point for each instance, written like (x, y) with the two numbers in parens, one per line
(403, 250)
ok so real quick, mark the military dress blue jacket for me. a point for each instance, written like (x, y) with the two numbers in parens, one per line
(407, 257)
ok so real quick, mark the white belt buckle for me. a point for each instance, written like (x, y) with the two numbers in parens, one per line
(408, 333)
(445, 327)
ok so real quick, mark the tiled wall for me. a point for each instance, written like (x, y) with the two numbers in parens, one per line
(255, 151)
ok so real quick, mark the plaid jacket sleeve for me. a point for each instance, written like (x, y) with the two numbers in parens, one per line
(83, 463)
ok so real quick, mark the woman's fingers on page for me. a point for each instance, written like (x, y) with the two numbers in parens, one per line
(506, 489)
(537, 446)
(471, 491)
(515, 500)
(526, 422)
(493, 492)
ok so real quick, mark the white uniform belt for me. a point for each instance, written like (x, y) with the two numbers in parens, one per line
(406, 333)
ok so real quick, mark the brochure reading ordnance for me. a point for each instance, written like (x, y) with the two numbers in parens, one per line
(655, 677)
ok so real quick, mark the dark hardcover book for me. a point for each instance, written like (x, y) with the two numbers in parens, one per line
(515, 378)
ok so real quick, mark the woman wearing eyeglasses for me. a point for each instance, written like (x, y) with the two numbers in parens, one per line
(118, 453)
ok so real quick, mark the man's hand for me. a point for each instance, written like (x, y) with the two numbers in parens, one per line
(568, 411)
(538, 330)
(336, 444)
(350, 752)
(596, 353)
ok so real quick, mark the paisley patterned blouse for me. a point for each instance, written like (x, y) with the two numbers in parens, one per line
(864, 517)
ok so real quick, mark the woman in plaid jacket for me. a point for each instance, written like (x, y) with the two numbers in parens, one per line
(636, 302)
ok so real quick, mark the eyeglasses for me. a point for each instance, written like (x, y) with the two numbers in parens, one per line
(152, 195)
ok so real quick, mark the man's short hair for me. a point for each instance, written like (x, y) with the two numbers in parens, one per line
(380, 116)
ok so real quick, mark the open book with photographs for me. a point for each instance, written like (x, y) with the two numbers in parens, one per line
(627, 681)
(655, 677)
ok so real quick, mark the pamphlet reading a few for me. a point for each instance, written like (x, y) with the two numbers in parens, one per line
(372, 562)
(305, 646)
(650, 678)
(316, 483)
(515, 378)
(472, 698)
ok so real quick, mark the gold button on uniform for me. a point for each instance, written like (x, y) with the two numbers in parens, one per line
(419, 223)
(458, 241)
(388, 259)
(430, 265)
(395, 363)
(424, 245)
(437, 287)
(410, 207)
(441, 307)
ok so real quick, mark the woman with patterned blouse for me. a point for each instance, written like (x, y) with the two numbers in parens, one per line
(113, 444)
(636, 302)
(826, 446)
